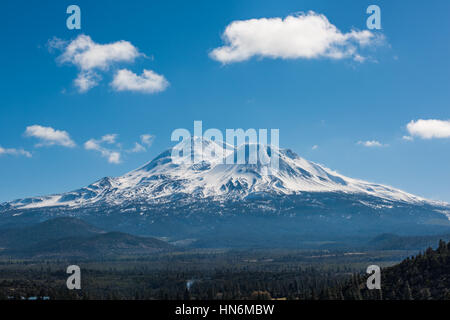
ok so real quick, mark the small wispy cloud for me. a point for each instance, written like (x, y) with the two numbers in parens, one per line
(145, 142)
(113, 156)
(147, 139)
(109, 138)
(371, 144)
(407, 138)
(147, 82)
(56, 44)
(49, 136)
(14, 152)
(137, 148)
(86, 80)
(315, 147)
(112, 150)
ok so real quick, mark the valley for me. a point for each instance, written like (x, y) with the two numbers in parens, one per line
(213, 231)
(115, 265)
(201, 275)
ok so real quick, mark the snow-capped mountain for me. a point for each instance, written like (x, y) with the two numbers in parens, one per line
(165, 188)
(209, 178)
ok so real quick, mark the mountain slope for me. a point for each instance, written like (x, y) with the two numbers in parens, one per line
(49, 230)
(389, 241)
(73, 238)
(214, 201)
(107, 245)
(162, 178)
(425, 276)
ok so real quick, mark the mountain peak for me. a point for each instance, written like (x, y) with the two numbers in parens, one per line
(193, 198)
(211, 170)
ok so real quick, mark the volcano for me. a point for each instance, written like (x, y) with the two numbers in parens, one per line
(213, 203)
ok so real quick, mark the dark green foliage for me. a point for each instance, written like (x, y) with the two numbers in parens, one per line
(222, 274)
(388, 241)
(423, 277)
(53, 229)
(73, 238)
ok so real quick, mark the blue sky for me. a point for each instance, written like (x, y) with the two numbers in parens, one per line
(331, 103)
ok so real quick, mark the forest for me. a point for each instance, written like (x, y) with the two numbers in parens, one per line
(236, 274)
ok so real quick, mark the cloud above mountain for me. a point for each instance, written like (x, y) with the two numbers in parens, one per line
(371, 144)
(49, 136)
(145, 142)
(92, 59)
(148, 82)
(14, 152)
(302, 36)
(87, 80)
(112, 150)
(88, 55)
(147, 139)
(428, 129)
(98, 145)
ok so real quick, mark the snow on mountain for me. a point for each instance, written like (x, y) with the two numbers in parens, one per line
(162, 178)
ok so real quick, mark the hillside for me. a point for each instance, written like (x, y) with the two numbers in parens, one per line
(425, 276)
(74, 238)
(107, 245)
(52, 229)
(389, 241)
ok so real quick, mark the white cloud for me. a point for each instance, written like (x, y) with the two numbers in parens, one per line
(371, 143)
(112, 156)
(15, 152)
(359, 58)
(49, 136)
(147, 139)
(92, 58)
(86, 80)
(109, 138)
(148, 82)
(56, 43)
(89, 56)
(306, 36)
(429, 129)
(408, 138)
(315, 147)
(138, 148)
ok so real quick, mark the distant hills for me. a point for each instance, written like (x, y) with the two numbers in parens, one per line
(425, 276)
(73, 238)
(390, 241)
(53, 229)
